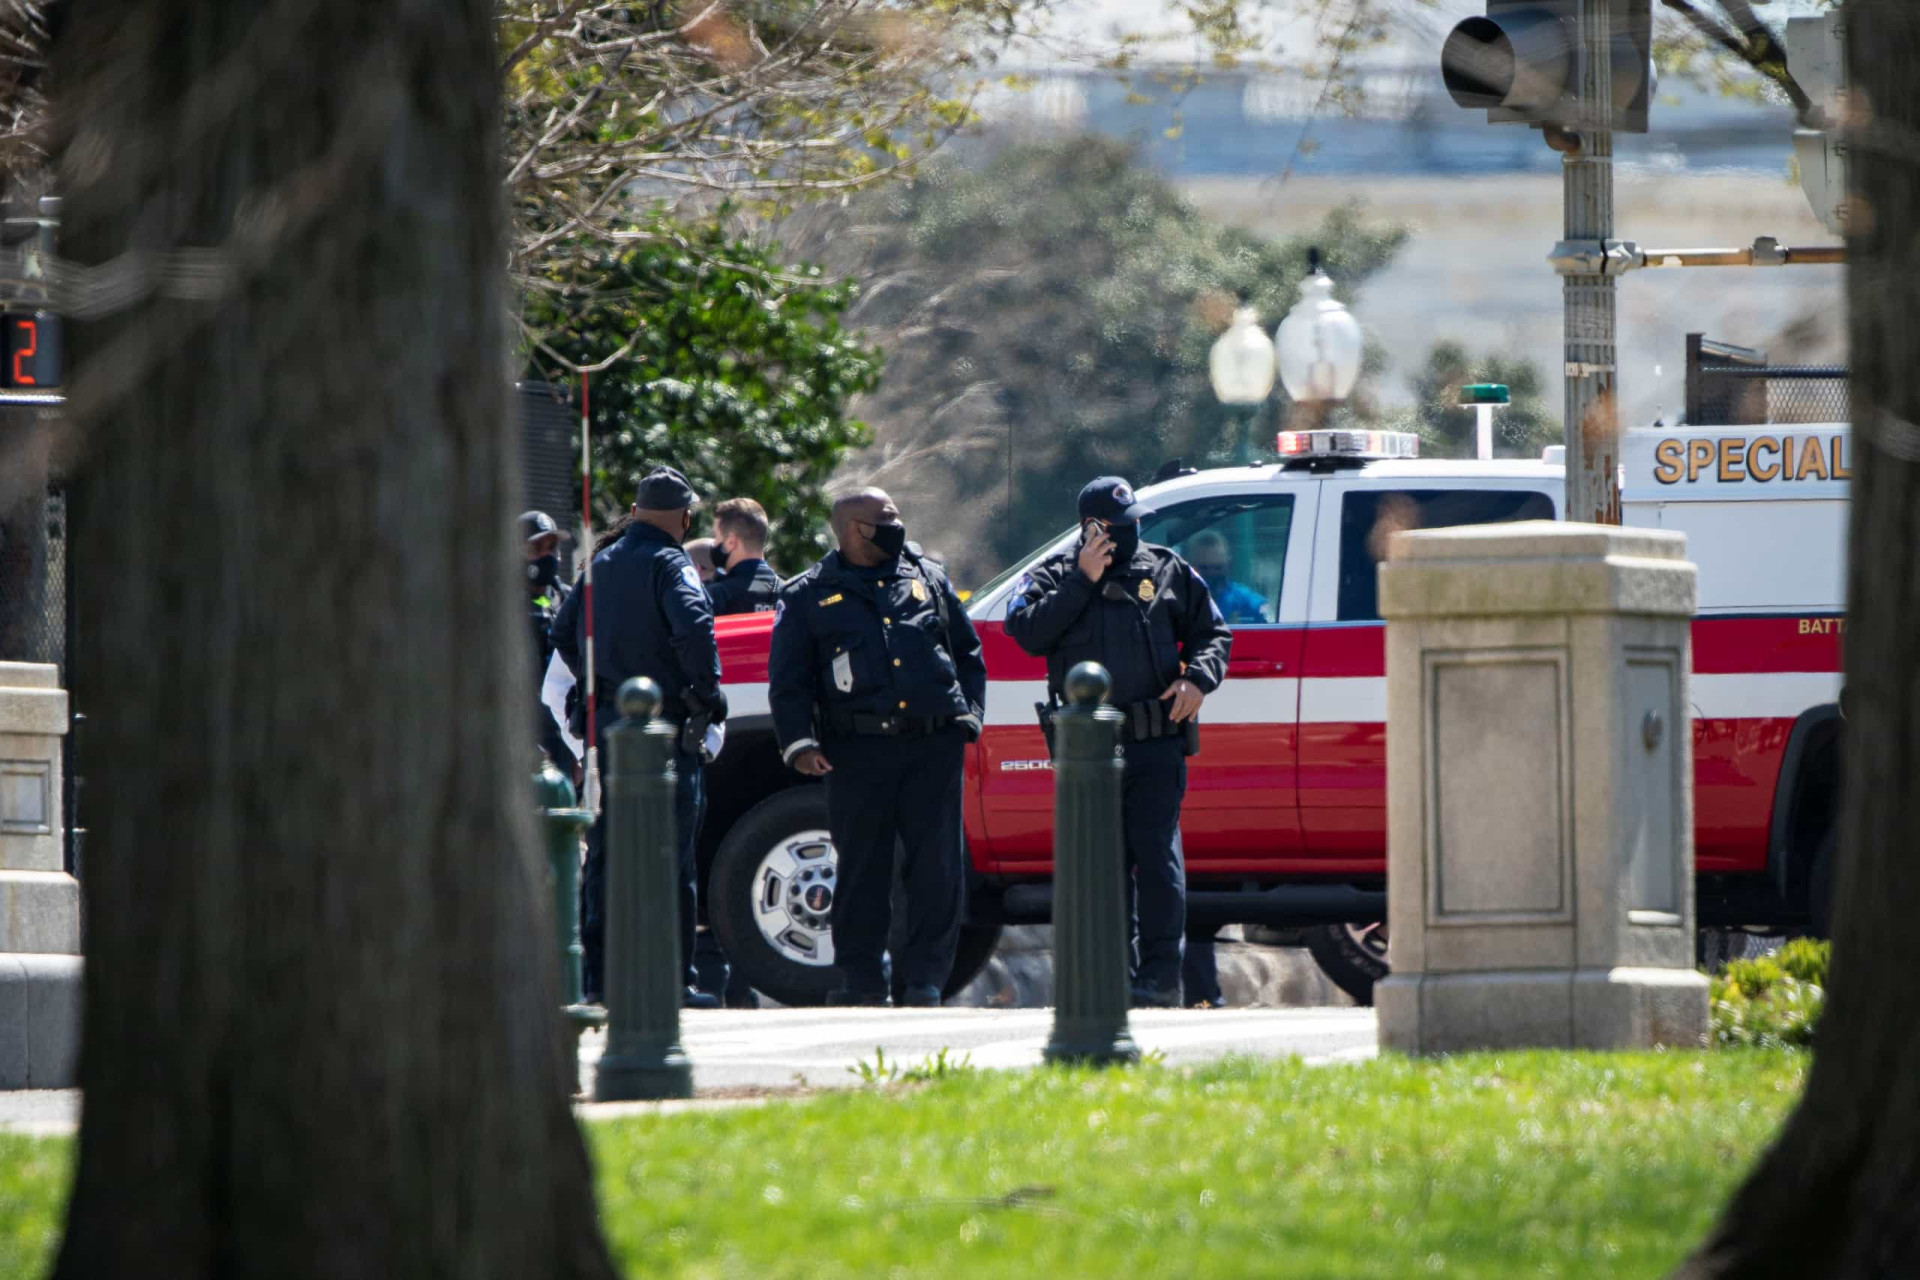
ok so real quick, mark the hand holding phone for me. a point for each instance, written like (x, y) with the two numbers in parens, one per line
(1096, 548)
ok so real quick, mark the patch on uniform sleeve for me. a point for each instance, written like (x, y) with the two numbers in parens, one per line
(779, 612)
(1019, 596)
(692, 577)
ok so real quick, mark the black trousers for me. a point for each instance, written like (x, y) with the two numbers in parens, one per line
(1151, 789)
(885, 790)
(689, 806)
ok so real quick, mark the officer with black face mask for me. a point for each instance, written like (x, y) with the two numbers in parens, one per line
(1143, 613)
(541, 538)
(877, 686)
(651, 618)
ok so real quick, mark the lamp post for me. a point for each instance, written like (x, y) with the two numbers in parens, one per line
(1241, 367)
(1319, 344)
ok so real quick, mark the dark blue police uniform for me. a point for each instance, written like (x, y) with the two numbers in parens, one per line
(651, 618)
(748, 586)
(866, 669)
(1149, 620)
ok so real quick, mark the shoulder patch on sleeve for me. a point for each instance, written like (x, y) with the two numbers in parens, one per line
(779, 611)
(691, 576)
(1019, 596)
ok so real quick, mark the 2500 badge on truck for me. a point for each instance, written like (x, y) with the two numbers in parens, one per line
(1285, 816)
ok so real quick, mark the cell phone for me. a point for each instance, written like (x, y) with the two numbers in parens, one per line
(1087, 529)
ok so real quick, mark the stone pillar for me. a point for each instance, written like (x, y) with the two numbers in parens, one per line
(1540, 790)
(39, 901)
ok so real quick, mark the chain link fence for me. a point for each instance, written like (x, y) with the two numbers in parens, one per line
(1735, 386)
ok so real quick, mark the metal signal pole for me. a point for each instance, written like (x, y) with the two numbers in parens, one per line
(1589, 260)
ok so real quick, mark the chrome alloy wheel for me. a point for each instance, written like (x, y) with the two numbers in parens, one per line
(793, 897)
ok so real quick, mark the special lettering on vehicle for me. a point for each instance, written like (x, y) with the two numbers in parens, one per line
(1755, 460)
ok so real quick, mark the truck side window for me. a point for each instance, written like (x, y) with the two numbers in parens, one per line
(1238, 544)
(1369, 517)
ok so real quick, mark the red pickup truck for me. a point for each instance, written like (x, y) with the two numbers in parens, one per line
(1285, 817)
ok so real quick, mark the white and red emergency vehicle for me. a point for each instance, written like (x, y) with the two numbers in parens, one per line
(1285, 815)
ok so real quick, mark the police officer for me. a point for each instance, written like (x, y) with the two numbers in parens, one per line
(877, 685)
(743, 581)
(651, 618)
(1143, 613)
(541, 539)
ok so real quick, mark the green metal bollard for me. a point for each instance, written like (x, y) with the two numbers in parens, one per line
(644, 983)
(561, 823)
(1090, 923)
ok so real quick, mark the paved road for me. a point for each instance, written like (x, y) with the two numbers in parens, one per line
(781, 1048)
(736, 1052)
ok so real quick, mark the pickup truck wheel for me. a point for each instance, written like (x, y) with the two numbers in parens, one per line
(770, 900)
(1354, 956)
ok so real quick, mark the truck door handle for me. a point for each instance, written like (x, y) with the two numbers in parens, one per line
(1255, 667)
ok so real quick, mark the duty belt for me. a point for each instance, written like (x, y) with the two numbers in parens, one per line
(1144, 722)
(861, 724)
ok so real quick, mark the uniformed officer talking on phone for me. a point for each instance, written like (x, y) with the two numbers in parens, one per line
(1144, 614)
(877, 686)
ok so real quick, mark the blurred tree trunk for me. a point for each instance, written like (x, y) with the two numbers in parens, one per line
(1838, 1195)
(321, 1032)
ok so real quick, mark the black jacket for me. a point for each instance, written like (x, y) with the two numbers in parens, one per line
(748, 586)
(651, 618)
(1141, 621)
(851, 640)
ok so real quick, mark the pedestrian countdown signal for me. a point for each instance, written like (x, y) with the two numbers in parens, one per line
(31, 350)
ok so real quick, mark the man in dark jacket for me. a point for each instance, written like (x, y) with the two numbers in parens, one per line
(1143, 613)
(877, 686)
(651, 618)
(546, 593)
(743, 582)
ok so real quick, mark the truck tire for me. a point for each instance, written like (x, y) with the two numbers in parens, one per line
(770, 894)
(1820, 885)
(1354, 956)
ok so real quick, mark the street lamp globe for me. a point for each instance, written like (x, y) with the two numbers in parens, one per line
(1319, 343)
(1241, 364)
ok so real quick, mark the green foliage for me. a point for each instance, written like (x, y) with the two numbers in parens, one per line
(1050, 314)
(941, 1065)
(1520, 429)
(1772, 1001)
(738, 372)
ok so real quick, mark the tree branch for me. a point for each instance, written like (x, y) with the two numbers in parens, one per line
(1754, 44)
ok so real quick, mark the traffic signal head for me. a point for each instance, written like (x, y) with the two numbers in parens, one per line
(1521, 63)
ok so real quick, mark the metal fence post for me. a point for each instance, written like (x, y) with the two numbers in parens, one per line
(1090, 921)
(560, 825)
(643, 979)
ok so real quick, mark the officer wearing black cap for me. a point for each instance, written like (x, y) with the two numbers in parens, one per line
(651, 618)
(541, 539)
(877, 685)
(1143, 613)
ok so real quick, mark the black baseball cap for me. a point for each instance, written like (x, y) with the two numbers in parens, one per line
(538, 524)
(1111, 498)
(664, 489)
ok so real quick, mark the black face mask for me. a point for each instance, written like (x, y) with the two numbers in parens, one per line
(1126, 541)
(544, 571)
(890, 538)
(718, 556)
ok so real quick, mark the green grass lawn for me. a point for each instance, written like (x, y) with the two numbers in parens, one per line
(1505, 1165)
(1488, 1165)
